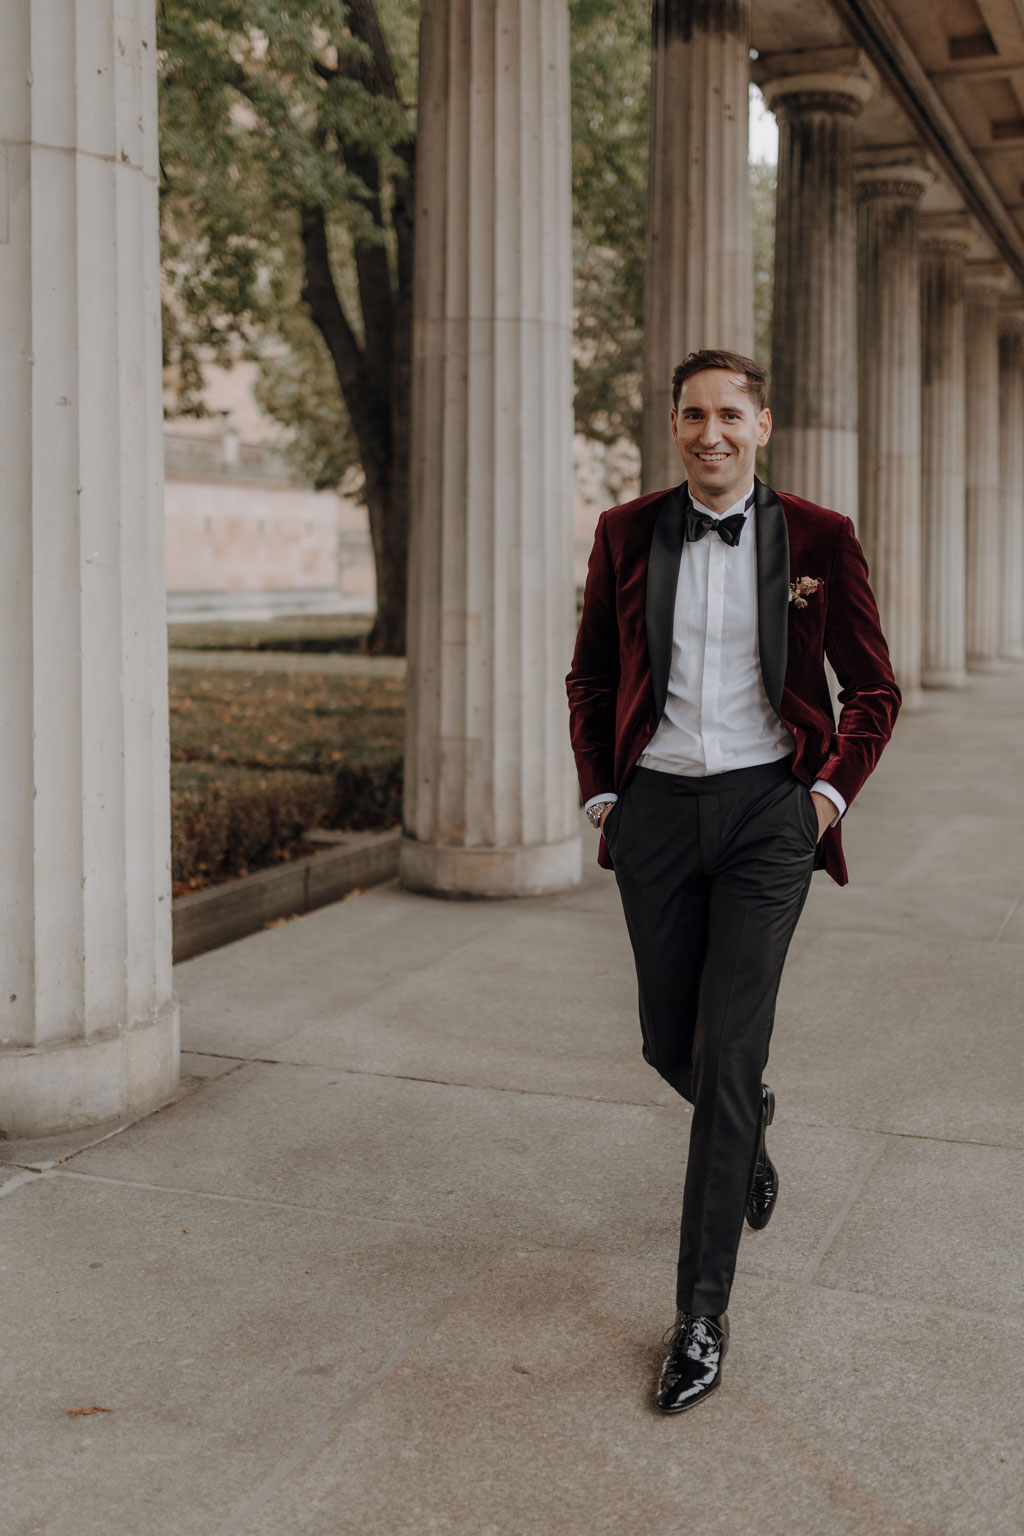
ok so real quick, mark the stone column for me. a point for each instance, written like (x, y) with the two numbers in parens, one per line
(814, 322)
(699, 284)
(889, 184)
(491, 804)
(985, 284)
(944, 243)
(1011, 480)
(89, 1025)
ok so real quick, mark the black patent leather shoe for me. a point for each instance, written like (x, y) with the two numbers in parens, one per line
(764, 1186)
(693, 1365)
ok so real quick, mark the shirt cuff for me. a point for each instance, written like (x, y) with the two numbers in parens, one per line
(821, 787)
(609, 795)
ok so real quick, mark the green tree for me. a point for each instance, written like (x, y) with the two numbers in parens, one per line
(610, 76)
(287, 151)
(762, 197)
(287, 145)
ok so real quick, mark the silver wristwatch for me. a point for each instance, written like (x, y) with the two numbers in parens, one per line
(595, 812)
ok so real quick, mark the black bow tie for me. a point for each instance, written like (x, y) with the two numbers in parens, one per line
(700, 523)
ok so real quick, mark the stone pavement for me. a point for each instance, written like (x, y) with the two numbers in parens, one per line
(401, 1258)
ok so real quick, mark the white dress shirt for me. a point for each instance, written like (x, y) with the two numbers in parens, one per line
(717, 715)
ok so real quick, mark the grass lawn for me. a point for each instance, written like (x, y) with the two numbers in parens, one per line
(333, 632)
(257, 757)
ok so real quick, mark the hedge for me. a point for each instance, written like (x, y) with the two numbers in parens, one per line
(227, 820)
(258, 757)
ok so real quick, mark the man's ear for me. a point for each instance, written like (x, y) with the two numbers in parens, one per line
(764, 427)
(673, 418)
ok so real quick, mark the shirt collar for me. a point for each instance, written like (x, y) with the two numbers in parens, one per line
(737, 506)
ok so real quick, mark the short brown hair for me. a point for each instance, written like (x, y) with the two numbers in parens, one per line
(732, 362)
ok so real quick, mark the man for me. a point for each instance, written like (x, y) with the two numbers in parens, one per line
(708, 755)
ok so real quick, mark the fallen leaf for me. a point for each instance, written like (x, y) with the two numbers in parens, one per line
(79, 1413)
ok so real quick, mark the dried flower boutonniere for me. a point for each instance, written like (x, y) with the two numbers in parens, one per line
(801, 589)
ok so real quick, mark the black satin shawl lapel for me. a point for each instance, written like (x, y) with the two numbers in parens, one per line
(662, 577)
(772, 590)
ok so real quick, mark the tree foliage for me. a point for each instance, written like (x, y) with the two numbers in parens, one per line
(287, 151)
(610, 78)
(287, 145)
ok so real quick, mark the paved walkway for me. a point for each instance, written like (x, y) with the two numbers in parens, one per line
(401, 1257)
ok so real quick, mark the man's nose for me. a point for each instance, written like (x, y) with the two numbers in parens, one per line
(711, 432)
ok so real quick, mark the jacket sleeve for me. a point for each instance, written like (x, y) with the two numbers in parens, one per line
(869, 698)
(593, 680)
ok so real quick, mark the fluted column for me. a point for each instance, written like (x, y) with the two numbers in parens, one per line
(944, 243)
(88, 1023)
(699, 284)
(985, 284)
(491, 805)
(1011, 480)
(814, 321)
(889, 185)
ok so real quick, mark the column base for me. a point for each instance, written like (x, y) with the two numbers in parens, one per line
(953, 677)
(536, 869)
(986, 664)
(74, 1083)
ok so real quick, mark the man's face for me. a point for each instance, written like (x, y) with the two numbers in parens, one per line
(718, 431)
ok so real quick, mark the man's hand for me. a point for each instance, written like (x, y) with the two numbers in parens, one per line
(826, 812)
(604, 813)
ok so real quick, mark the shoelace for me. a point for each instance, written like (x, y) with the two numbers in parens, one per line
(700, 1329)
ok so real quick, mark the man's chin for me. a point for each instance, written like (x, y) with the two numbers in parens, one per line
(715, 479)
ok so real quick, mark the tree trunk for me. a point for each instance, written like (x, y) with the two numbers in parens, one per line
(388, 503)
(390, 562)
(383, 451)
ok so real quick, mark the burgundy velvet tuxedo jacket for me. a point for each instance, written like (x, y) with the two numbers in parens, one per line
(618, 683)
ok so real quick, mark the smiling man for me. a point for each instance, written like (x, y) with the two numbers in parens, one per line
(709, 757)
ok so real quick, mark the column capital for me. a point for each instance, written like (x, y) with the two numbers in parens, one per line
(671, 19)
(894, 171)
(836, 80)
(987, 279)
(946, 234)
(1011, 316)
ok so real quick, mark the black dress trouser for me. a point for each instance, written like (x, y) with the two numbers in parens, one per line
(713, 873)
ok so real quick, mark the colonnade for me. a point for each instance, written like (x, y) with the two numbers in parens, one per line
(897, 360)
(897, 378)
(903, 410)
